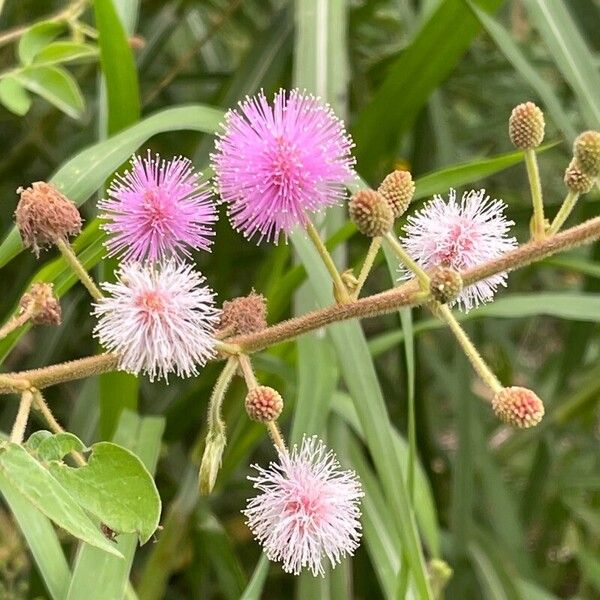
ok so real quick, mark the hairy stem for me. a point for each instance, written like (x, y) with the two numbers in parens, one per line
(407, 261)
(276, 436)
(563, 214)
(17, 320)
(69, 255)
(18, 431)
(378, 304)
(367, 265)
(538, 228)
(467, 345)
(247, 371)
(215, 422)
(342, 295)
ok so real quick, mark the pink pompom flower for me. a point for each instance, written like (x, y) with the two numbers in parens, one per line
(158, 210)
(159, 319)
(461, 235)
(276, 163)
(308, 509)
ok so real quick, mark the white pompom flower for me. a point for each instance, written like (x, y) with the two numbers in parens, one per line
(159, 319)
(460, 235)
(308, 509)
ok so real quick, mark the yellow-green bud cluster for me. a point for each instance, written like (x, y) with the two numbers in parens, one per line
(398, 188)
(371, 213)
(576, 180)
(526, 126)
(586, 151)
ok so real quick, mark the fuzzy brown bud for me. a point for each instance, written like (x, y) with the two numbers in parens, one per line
(445, 284)
(263, 404)
(398, 188)
(44, 216)
(371, 213)
(518, 406)
(526, 126)
(45, 307)
(576, 180)
(244, 315)
(586, 151)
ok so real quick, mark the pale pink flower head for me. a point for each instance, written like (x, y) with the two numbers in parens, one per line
(159, 319)
(461, 235)
(276, 163)
(158, 210)
(308, 509)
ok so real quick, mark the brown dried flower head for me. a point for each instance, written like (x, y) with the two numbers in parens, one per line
(445, 284)
(45, 305)
(526, 126)
(371, 213)
(576, 180)
(44, 215)
(244, 315)
(586, 151)
(398, 188)
(518, 406)
(263, 404)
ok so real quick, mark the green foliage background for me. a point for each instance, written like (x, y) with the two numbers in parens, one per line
(428, 85)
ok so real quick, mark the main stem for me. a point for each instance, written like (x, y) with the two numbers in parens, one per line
(342, 295)
(539, 223)
(378, 304)
(69, 255)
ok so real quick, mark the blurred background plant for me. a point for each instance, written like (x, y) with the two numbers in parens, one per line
(425, 85)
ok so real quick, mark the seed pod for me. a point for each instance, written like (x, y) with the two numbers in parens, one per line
(46, 307)
(526, 126)
(44, 216)
(518, 406)
(263, 404)
(371, 213)
(244, 315)
(586, 151)
(398, 188)
(211, 461)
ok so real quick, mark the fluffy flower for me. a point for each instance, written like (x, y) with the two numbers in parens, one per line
(276, 163)
(158, 209)
(307, 509)
(461, 235)
(158, 319)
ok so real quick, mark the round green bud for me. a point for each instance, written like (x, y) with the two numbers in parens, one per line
(445, 284)
(586, 151)
(371, 213)
(576, 180)
(398, 188)
(526, 126)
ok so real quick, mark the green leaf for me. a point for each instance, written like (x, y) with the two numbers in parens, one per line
(14, 96)
(115, 487)
(55, 85)
(118, 67)
(86, 172)
(62, 52)
(254, 590)
(48, 446)
(41, 539)
(429, 59)
(569, 51)
(141, 435)
(40, 488)
(36, 38)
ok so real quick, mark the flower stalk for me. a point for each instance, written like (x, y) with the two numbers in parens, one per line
(538, 224)
(563, 213)
(18, 431)
(407, 260)
(17, 320)
(341, 292)
(69, 255)
(367, 265)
